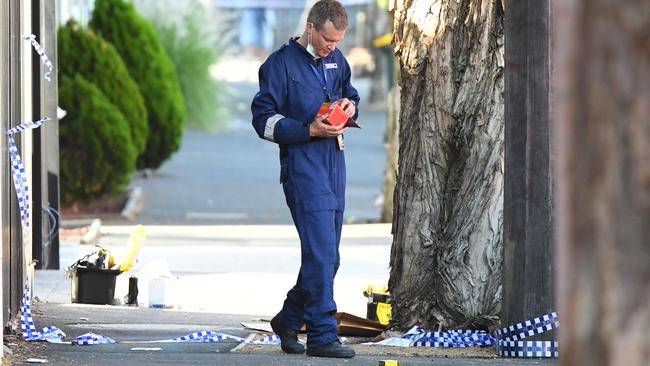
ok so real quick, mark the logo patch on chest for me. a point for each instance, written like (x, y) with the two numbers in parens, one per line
(332, 65)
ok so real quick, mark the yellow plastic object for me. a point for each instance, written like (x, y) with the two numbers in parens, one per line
(384, 312)
(379, 307)
(133, 248)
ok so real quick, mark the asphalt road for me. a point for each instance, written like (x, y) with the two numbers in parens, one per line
(232, 177)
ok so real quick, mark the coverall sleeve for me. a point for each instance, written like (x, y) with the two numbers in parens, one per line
(348, 90)
(268, 122)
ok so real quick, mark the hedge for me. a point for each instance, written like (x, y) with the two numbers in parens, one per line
(137, 42)
(97, 154)
(82, 51)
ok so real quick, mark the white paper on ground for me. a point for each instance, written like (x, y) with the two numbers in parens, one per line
(395, 342)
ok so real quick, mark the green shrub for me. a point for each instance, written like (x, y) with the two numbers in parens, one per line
(84, 52)
(97, 154)
(193, 50)
(137, 42)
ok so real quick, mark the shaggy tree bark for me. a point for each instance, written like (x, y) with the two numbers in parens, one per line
(392, 145)
(446, 256)
(602, 111)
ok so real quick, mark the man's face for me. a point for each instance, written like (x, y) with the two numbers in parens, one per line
(325, 40)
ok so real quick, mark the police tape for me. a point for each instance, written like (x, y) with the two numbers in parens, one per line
(90, 339)
(41, 52)
(448, 339)
(18, 172)
(50, 334)
(17, 167)
(508, 340)
(55, 335)
(210, 337)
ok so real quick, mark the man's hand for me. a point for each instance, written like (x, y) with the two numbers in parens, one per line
(319, 128)
(348, 106)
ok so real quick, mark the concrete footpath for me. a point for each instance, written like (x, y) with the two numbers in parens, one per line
(214, 278)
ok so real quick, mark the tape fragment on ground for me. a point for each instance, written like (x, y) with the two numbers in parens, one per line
(508, 340)
(55, 335)
(50, 334)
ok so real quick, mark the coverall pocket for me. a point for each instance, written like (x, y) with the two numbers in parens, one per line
(303, 89)
(321, 202)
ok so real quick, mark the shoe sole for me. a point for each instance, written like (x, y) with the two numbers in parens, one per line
(330, 356)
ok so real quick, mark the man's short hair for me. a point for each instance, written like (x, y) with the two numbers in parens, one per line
(331, 10)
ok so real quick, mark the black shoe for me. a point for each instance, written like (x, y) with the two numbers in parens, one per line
(332, 350)
(288, 337)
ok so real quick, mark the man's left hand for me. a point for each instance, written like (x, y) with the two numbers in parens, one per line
(348, 106)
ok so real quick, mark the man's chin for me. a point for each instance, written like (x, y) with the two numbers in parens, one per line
(324, 54)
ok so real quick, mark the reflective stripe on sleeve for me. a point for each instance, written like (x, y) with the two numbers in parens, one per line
(270, 126)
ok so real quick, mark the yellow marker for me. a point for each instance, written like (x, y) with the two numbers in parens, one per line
(133, 248)
(388, 363)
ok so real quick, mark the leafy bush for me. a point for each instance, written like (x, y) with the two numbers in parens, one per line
(97, 154)
(137, 42)
(84, 52)
(192, 50)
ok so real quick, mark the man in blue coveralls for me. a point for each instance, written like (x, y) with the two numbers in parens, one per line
(294, 82)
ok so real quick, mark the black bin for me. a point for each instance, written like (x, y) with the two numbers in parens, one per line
(373, 300)
(93, 285)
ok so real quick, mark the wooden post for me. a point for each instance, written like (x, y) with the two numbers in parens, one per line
(601, 104)
(528, 184)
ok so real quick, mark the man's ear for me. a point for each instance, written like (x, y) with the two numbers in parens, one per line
(310, 27)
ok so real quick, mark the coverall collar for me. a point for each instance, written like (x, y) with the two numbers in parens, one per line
(294, 42)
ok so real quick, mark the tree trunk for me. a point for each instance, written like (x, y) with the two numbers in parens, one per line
(392, 145)
(602, 112)
(446, 257)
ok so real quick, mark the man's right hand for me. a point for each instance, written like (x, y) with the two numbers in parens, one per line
(319, 128)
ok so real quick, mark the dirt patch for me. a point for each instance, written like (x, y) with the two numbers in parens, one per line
(20, 349)
(73, 234)
(104, 208)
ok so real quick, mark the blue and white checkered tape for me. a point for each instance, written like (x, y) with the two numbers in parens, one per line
(527, 349)
(90, 339)
(529, 328)
(41, 52)
(17, 166)
(449, 339)
(18, 171)
(209, 336)
(507, 340)
(50, 334)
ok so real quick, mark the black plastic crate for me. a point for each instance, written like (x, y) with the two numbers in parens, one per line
(93, 285)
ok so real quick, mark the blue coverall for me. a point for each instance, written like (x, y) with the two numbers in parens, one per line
(293, 86)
